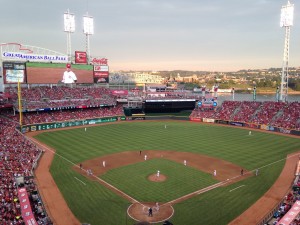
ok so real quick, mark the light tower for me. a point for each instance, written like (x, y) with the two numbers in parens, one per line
(88, 29)
(69, 27)
(286, 21)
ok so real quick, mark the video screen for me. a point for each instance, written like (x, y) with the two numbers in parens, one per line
(14, 72)
(52, 73)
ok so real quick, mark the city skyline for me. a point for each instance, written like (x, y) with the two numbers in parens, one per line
(161, 34)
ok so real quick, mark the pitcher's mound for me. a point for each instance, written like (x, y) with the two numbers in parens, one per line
(139, 212)
(155, 178)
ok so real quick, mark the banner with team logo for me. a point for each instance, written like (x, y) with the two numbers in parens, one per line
(80, 57)
(291, 215)
(26, 210)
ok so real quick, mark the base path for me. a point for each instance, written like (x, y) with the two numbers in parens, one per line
(54, 202)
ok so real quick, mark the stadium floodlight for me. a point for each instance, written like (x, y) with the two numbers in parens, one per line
(286, 21)
(88, 25)
(69, 22)
(88, 29)
(287, 15)
(69, 27)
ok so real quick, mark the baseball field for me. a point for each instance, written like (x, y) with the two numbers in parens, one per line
(186, 194)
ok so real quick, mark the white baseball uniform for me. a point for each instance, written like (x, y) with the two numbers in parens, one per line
(69, 77)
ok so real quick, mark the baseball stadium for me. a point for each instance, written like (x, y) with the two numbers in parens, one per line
(97, 152)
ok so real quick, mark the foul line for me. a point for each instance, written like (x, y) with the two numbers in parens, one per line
(80, 180)
(237, 188)
(224, 182)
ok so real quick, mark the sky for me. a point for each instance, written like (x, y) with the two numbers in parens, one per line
(203, 35)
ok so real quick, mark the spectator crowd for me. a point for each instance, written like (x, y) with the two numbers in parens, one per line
(277, 114)
(18, 157)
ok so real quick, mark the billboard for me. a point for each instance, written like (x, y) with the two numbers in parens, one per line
(80, 57)
(26, 57)
(14, 72)
(52, 73)
(101, 77)
(101, 70)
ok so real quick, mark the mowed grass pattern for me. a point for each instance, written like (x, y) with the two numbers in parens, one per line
(96, 204)
(181, 180)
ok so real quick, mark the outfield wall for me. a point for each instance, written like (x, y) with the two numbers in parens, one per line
(249, 125)
(55, 125)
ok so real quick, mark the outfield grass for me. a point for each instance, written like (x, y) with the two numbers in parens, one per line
(96, 204)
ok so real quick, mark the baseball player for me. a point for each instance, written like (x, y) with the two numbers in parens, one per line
(69, 76)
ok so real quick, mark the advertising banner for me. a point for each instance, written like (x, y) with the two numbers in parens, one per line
(101, 77)
(195, 119)
(80, 57)
(19, 56)
(295, 132)
(49, 126)
(289, 217)
(25, 207)
(101, 70)
(236, 124)
(284, 131)
(119, 92)
(207, 120)
(264, 127)
(14, 72)
(252, 125)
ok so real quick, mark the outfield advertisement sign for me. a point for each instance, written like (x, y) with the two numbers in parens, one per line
(49, 126)
(196, 119)
(207, 120)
